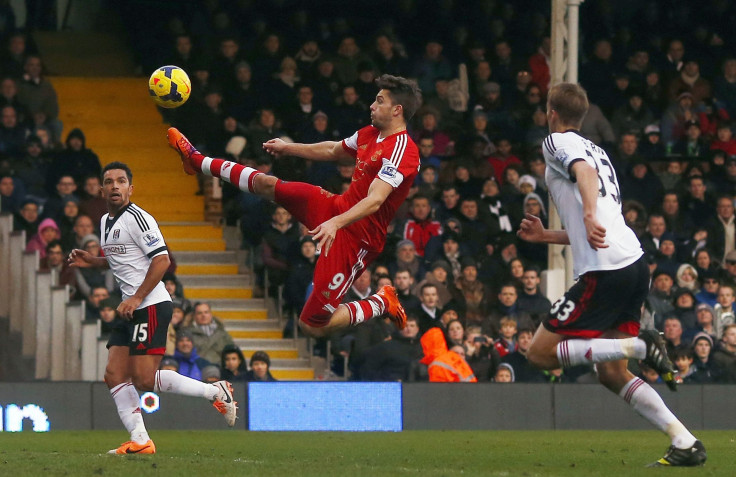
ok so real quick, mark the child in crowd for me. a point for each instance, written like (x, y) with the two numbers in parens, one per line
(506, 343)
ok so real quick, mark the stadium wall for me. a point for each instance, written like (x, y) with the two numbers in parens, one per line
(364, 407)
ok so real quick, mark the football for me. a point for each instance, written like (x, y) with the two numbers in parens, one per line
(169, 86)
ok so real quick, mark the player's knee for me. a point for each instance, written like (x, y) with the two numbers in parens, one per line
(143, 383)
(542, 359)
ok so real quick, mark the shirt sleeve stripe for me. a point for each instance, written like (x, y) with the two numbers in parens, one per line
(552, 143)
(137, 219)
(399, 149)
(157, 251)
(547, 146)
(140, 213)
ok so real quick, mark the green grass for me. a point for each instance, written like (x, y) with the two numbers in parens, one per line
(419, 453)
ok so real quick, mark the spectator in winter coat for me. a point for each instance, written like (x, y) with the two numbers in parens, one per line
(233, 364)
(260, 367)
(444, 365)
(208, 333)
(190, 363)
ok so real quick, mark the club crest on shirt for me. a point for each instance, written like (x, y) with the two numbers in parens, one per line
(376, 155)
(116, 234)
(151, 239)
(363, 147)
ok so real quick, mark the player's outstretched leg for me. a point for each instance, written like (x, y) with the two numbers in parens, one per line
(220, 394)
(384, 302)
(236, 174)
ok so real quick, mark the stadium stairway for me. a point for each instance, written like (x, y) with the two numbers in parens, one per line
(121, 124)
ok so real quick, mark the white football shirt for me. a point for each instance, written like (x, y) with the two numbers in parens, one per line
(130, 240)
(561, 151)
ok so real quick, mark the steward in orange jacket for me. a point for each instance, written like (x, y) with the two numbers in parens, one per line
(444, 366)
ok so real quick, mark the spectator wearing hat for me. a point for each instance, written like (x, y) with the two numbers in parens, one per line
(300, 274)
(440, 275)
(690, 80)
(181, 317)
(190, 363)
(640, 183)
(169, 363)
(32, 168)
(408, 259)
(651, 147)
(705, 371)
(705, 322)
(676, 116)
(91, 277)
(260, 367)
(75, 160)
(633, 116)
(684, 303)
(692, 144)
(210, 374)
(661, 296)
(47, 232)
(451, 253)
(725, 308)
(708, 293)
(233, 364)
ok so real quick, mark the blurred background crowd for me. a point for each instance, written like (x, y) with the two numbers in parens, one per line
(661, 78)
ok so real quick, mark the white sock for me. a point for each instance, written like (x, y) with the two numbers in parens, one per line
(168, 381)
(129, 409)
(577, 351)
(645, 401)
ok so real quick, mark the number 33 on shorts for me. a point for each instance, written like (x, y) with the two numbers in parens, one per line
(562, 309)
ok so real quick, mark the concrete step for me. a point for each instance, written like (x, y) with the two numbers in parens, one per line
(255, 334)
(211, 294)
(237, 304)
(198, 230)
(264, 344)
(209, 245)
(208, 257)
(253, 325)
(285, 354)
(293, 374)
(207, 269)
(279, 363)
(220, 281)
(258, 314)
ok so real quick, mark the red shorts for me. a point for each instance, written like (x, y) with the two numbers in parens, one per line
(348, 257)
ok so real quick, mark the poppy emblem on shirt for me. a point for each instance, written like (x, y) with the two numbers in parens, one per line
(150, 239)
(116, 234)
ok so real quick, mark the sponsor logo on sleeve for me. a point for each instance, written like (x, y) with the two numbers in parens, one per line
(388, 171)
(151, 239)
(562, 156)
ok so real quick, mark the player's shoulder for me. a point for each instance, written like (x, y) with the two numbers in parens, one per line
(558, 140)
(367, 133)
(139, 217)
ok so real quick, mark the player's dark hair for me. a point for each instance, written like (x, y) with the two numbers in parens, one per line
(570, 101)
(402, 91)
(117, 165)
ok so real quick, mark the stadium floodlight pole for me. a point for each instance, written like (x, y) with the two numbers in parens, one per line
(564, 68)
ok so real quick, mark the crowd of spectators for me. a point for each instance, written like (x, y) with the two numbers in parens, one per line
(661, 78)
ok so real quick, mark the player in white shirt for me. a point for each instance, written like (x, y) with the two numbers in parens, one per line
(135, 250)
(597, 319)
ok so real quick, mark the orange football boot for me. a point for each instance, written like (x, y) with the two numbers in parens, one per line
(179, 143)
(394, 309)
(131, 447)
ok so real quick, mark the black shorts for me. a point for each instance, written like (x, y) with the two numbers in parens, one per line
(602, 301)
(146, 332)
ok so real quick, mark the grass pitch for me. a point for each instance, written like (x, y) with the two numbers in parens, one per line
(420, 453)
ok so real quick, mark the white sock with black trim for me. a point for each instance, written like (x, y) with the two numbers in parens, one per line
(572, 352)
(645, 401)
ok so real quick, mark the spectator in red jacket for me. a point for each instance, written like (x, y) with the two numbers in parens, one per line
(420, 227)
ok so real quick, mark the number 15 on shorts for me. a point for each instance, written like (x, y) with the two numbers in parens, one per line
(140, 333)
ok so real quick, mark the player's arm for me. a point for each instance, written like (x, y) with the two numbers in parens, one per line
(321, 151)
(157, 268)
(324, 234)
(83, 259)
(532, 230)
(587, 180)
